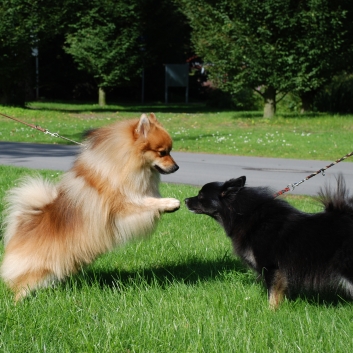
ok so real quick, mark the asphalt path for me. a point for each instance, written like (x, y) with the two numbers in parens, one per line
(196, 168)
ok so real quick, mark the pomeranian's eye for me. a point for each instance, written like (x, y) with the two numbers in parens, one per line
(162, 153)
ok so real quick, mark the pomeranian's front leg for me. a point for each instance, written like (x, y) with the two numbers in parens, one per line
(162, 204)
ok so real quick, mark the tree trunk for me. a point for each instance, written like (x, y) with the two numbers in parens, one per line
(270, 102)
(101, 97)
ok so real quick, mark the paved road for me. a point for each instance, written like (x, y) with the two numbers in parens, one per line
(195, 169)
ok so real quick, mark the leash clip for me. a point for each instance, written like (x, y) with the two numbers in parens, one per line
(292, 186)
(323, 172)
(53, 134)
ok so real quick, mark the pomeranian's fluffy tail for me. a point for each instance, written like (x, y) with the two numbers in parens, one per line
(27, 199)
(337, 199)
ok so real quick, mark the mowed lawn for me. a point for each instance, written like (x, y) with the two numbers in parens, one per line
(195, 128)
(182, 290)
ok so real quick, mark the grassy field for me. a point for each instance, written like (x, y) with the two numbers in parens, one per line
(182, 290)
(195, 128)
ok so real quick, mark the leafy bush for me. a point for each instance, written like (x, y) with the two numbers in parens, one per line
(245, 99)
(289, 104)
(337, 96)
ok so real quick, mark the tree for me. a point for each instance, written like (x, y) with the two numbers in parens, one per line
(18, 34)
(265, 44)
(105, 43)
(25, 25)
(324, 45)
(110, 41)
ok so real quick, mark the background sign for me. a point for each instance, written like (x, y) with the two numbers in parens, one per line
(177, 75)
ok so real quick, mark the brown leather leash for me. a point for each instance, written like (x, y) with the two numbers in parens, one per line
(322, 171)
(39, 128)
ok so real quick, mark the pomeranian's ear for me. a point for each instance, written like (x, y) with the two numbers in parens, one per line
(89, 133)
(153, 118)
(233, 185)
(143, 126)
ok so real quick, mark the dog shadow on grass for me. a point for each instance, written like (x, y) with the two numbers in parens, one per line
(191, 272)
(330, 298)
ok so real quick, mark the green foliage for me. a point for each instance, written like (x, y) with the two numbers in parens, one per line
(17, 35)
(104, 42)
(110, 40)
(321, 44)
(165, 33)
(289, 104)
(272, 45)
(337, 96)
(24, 25)
(244, 99)
(241, 40)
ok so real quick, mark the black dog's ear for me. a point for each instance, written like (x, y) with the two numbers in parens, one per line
(233, 184)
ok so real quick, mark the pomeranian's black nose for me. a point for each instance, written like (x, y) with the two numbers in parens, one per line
(172, 169)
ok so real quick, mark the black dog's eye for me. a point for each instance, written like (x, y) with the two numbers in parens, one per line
(162, 153)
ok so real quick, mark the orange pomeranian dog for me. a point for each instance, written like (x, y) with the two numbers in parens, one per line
(109, 196)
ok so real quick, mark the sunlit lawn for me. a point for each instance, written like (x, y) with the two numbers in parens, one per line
(180, 291)
(194, 128)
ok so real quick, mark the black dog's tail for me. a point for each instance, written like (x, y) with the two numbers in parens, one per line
(337, 199)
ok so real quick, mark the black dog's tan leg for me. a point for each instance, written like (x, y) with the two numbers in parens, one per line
(277, 289)
(277, 285)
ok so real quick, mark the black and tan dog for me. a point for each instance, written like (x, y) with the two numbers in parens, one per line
(292, 250)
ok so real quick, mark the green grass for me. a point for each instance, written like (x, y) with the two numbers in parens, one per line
(180, 291)
(194, 128)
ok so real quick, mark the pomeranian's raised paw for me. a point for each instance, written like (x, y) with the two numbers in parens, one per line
(171, 205)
